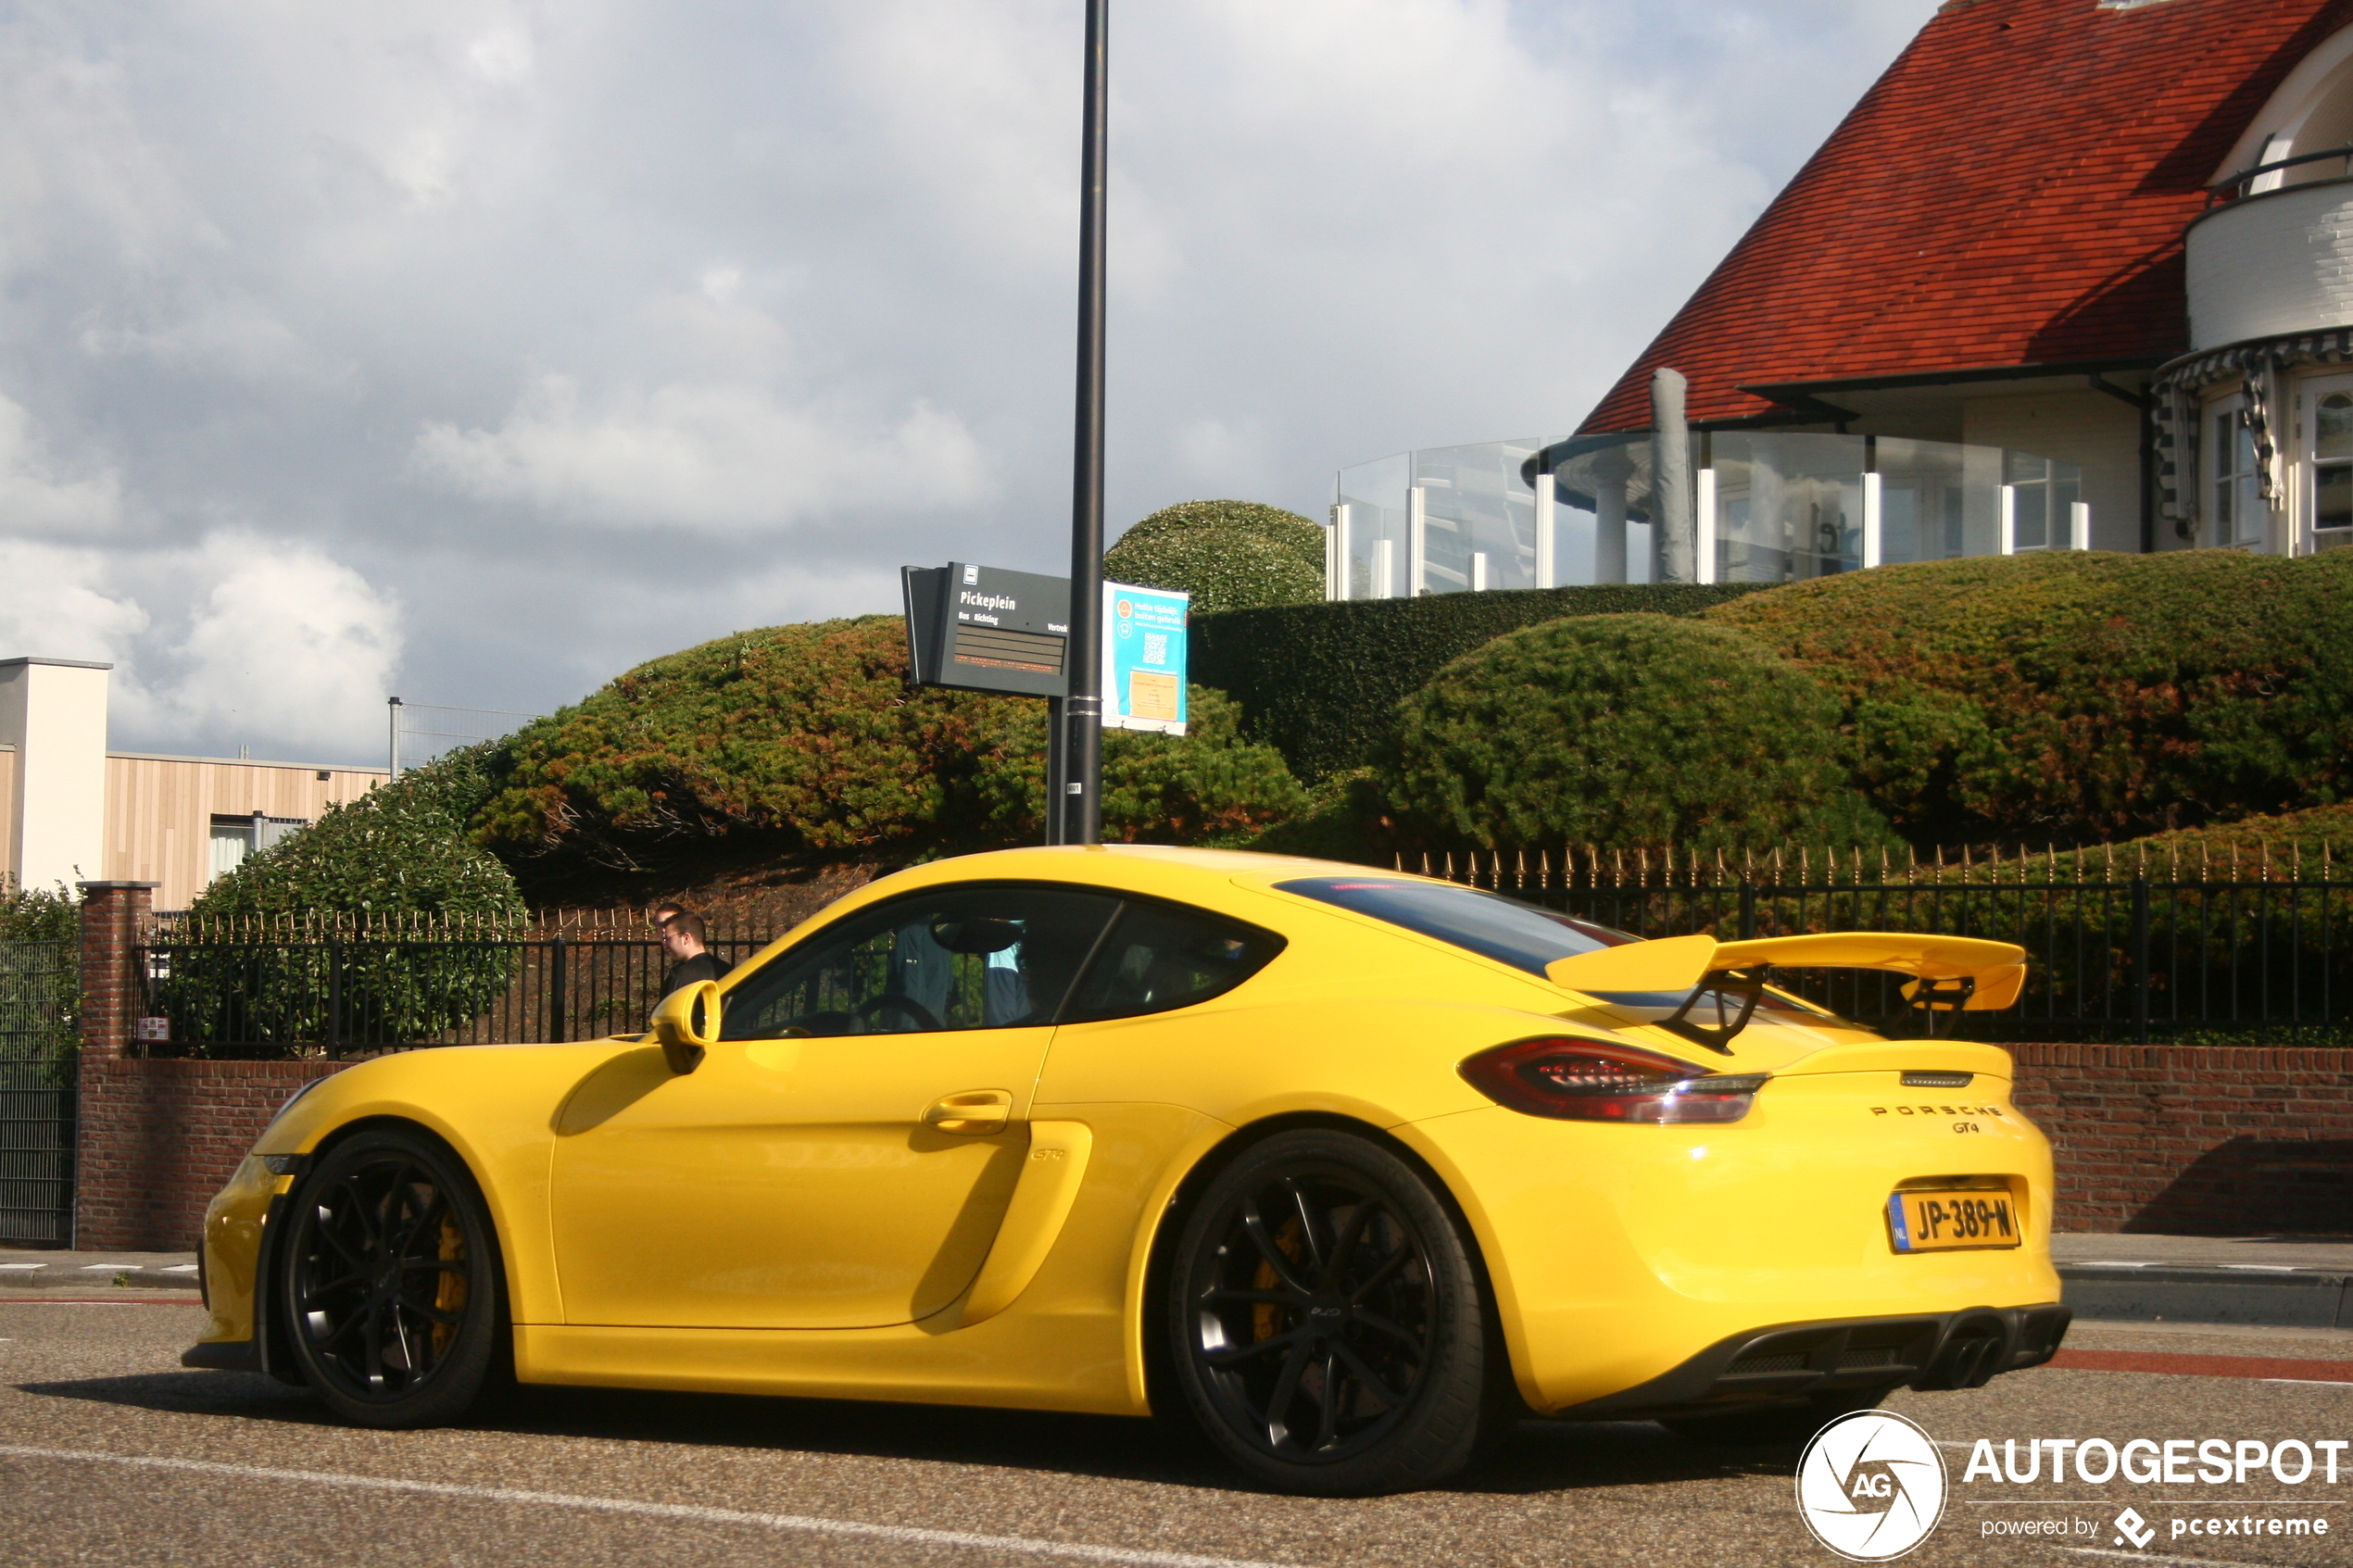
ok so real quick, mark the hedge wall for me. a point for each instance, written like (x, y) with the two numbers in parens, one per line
(1321, 681)
(2078, 695)
(1626, 729)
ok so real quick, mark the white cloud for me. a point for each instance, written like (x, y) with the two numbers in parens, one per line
(719, 458)
(55, 604)
(285, 645)
(259, 644)
(485, 304)
(42, 493)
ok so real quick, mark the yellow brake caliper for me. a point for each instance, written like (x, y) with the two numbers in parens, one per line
(449, 1296)
(1266, 1317)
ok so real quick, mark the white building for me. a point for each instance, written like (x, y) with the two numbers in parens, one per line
(76, 812)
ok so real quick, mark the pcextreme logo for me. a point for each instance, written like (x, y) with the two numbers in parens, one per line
(1871, 1485)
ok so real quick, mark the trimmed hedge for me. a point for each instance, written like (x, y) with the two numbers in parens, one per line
(1207, 786)
(1625, 731)
(2080, 698)
(803, 735)
(1228, 554)
(1321, 681)
(803, 742)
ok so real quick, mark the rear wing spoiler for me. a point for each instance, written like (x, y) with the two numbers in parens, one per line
(1949, 974)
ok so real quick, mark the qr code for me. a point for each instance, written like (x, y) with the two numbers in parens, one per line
(1155, 647)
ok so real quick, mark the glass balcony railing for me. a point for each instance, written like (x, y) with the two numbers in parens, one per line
(1769, 507)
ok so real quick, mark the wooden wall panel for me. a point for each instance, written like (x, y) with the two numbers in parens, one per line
(159, 811)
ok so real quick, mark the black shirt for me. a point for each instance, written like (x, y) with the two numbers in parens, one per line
(688, 971)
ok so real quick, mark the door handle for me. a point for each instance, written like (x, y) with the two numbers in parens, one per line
(973, 1113)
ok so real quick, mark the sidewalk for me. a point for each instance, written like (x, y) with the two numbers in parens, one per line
(2282, 1281)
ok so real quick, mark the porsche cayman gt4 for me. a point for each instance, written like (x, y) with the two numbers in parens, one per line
(1353, 1169)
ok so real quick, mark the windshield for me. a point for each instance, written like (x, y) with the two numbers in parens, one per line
(1486, 923)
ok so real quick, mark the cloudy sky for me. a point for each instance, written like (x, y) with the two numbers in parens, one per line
(476, 351)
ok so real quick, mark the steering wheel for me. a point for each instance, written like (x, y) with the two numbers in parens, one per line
(874, 1008)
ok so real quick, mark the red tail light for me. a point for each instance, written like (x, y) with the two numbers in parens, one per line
(1575, 1080)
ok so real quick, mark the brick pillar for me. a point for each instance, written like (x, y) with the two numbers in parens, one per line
(114, 916)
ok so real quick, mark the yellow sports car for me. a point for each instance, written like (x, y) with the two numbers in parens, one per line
(1354, 1167)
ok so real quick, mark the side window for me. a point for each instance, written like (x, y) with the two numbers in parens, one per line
(1161, 956)
(2236, 509)
(976, 957)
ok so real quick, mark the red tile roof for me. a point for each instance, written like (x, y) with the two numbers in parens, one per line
(2011, 192)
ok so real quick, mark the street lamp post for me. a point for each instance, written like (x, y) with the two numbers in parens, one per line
(1082, 803)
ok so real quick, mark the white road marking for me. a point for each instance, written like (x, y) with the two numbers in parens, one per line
(11, 1300)
(2315, 1382)
(2152, 1557)
(1029, 1546)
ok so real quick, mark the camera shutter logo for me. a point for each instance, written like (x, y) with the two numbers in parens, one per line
(1871, 1485)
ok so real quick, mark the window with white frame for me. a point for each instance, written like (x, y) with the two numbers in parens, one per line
(234, 838)
(2235, 511)
(231, 842)
(2041, 495)
(2332, 472)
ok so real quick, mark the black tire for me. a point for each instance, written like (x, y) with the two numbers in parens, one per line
(1325, 1320)
(390, 1282)
(1775, 1424)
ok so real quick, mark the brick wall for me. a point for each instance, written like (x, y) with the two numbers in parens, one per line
(2181, 1140)
(159, 1138)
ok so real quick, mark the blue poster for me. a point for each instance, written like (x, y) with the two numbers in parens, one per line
(1144, 658)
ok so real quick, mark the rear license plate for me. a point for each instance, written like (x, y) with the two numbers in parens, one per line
(1948, 1220)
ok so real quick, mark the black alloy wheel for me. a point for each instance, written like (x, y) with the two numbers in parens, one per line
(1326, 1320)
(391, 1285)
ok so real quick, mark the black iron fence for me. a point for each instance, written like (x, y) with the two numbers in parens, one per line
(2126, 952)
(247, 994)
(40, 989)
(2122, 951)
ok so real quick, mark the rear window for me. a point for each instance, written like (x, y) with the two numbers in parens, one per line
(1486, 923)
(1160, 957)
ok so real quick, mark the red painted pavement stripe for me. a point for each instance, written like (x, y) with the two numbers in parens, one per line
(2202, 1366)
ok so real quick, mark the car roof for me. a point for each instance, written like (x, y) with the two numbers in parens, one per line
(1161, 868)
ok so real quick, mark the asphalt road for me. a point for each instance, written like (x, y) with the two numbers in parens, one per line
(110, 1453)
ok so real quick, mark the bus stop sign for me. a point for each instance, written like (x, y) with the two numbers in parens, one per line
(984, 629)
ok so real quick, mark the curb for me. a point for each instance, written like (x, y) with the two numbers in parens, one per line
(96, 1277)
(2273, 1297)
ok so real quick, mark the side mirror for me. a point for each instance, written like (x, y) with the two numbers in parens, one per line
(686, 1023)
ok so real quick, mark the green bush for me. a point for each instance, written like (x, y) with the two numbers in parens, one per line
(399, 852)
(1625, 731)
(2079, 697)
(40, 987)
(256, 965)
(800, 739)
(38, 914)
(1206, 786)
(1322, 681)
(804, 742)
(1228, 554)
